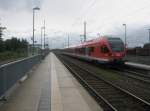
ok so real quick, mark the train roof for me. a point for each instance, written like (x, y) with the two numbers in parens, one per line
(95, 41)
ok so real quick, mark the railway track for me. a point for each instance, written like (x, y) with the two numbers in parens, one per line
(131, 72)
(134, 84)
(139, 74)
(108, 95)
(143, 77)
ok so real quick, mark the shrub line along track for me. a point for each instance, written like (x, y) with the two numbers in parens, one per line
(108, 95)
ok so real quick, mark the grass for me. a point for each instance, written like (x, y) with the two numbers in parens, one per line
(9, 55)
(108, 74)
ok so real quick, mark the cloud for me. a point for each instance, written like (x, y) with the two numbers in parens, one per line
(102, 16)
(19, 5)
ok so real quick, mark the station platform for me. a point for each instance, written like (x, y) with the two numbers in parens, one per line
(137, 65)
(50, 87)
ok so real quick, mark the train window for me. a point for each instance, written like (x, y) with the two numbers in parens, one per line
(82, 50)
(116, 45)
(76, 50)
(104, 49)
(91, 49)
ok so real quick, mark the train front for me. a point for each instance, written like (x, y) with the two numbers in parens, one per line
(118, 49)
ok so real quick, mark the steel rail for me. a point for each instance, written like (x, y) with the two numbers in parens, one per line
(133, 75)
(123, 90)
(112, 108)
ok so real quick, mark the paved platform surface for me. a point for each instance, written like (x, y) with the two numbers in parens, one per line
(28, 95)
(138, 65)
(50, 87)
(67, 93)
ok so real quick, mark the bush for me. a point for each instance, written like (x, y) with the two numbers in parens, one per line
(11, 55)
(13, 48)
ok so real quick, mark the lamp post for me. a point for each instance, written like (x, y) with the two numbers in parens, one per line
(125, 26)
(149, 35)
(81, 38)
(42, 40)
(41, 37)
(149, 41)
(44, 33)
(68, 40)
(34, 9)
(84, 31)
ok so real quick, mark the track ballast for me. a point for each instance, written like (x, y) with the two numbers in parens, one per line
(108, 95)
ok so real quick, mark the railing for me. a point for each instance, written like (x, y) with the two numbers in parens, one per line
(12, 72)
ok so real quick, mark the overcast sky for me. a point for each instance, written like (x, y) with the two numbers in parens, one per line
(67, 16)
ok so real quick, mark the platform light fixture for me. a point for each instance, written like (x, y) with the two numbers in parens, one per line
(34, 9)
(125, 28)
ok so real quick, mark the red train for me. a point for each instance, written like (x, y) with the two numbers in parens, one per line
(103, 50)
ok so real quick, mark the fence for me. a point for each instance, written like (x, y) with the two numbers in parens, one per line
(12, 72)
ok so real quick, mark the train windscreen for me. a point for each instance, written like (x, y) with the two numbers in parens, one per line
(116, 44)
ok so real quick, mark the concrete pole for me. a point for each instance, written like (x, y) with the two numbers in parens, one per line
(149, 35)
(36, 8)
(84, 31)
(33, 34)
(149, 41)
(68, 41)
(41, 36)
(44, 34)
(125, 34)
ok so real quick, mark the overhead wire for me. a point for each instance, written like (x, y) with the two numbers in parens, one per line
(112, 18)
(91, 4)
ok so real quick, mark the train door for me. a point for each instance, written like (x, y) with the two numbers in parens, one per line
(87, 51)
(83, 50)
(91, 50)
(104, 51)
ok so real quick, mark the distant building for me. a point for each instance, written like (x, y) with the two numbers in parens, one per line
(146, 46)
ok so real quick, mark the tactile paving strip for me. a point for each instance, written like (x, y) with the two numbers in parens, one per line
(45, 99)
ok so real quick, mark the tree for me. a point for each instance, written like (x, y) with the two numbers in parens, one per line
(1, 45)
(1, 40)
(15, 44)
